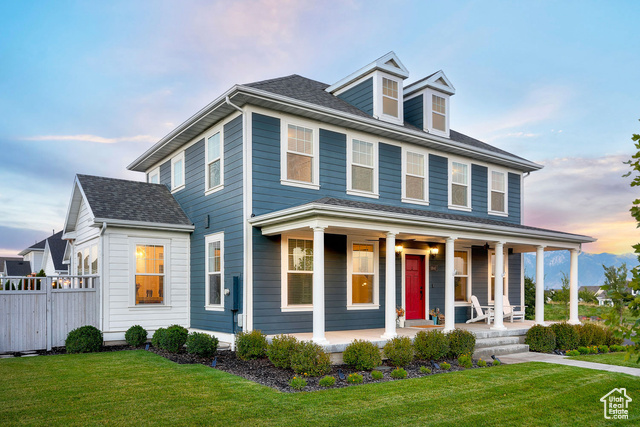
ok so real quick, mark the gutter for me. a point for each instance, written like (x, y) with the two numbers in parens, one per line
(142, 225)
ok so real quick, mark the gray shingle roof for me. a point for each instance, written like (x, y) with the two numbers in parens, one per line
(56, 248)
(39, 245)
(18, 268)
(120, 199)
(3, 259)
(307, 90)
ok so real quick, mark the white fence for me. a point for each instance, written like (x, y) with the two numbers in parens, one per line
(37, 313)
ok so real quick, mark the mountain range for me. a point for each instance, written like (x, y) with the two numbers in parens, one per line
(590, 271)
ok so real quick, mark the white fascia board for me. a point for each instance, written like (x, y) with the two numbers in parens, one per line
(431, 82)
(379, 63)
(26, 251)
(98, 222)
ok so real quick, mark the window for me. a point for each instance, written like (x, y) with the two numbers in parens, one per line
(177, 172)
(459, 186)
(362, 174)
(439, 113)
(497, 192)
(154, 176)
(87, 260)
(492, 278)
(214, 164)
(362, 291)
(389, 97)
(415, 177)
(461, 276)
(300, 166)
(297, 262)
(149, 276)
(214, 279)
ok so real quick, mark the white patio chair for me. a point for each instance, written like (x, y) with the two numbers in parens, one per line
(480, 314)
(510, 311)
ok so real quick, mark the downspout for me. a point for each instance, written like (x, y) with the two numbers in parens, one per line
(101, 271)
(228, 101)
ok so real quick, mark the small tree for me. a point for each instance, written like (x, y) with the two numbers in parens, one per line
(529, 297)
(587, 296)
(615, 284)
(562, 295)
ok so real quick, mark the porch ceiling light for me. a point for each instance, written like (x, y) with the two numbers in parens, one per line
(399, 249)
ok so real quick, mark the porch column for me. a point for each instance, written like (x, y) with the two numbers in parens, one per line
(390, 289)
(540, 285)
(573, 289)
(318, 285)
(499, 288)
(449, 287)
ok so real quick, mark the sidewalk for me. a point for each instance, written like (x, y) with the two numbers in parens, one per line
(562, 360)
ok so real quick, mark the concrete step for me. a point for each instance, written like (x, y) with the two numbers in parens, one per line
(490, 333)
(417, 322)
(486, 352)
(499, 341)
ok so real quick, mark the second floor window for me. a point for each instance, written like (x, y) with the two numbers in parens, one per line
(415, 185)
(459, 188)
(154, 176)
(439, 113)
(177, 172)
(299, 154)
(389, 97)
(214, 161)
(363, 167)
(498, 192)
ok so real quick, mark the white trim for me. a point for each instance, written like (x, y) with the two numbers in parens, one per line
(422, 152)
(379, 63)
(428, 110)
(378, 110)
(462, 161)
(505, 173)
(351, 240)
(376, 170)
(166, 284)
(284, 150)
(174, 160)
(154, 172)
(505, 283)
(403, 299)
(212, 238)
(468, 276)
(431, 82)
(207, 188)
(284, 269)
(247, 206)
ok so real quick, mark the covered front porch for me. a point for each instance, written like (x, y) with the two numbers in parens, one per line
(397, 265)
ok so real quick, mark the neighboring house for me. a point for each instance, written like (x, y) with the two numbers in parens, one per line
(2, 260)
(53, 257)
(17, 268)
(290, 205)
(34, 255)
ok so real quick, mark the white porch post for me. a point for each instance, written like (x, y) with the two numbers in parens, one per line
(540, 285)
(499, 288)
(449, 289)
(390, 289)
(318, 285)
(573, 289)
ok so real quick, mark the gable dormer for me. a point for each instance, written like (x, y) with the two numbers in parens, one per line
(376, 88)
(427, 103)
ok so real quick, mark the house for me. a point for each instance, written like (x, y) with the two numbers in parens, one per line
(34, 255)
(2, 260)
(53, 262)
(16, 268)
(290, 205)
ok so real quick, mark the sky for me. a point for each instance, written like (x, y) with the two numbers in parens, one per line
(87, 86)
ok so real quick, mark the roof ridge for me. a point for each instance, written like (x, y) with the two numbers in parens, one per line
(115, 179)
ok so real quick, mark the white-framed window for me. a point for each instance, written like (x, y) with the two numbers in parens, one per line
(459, 185)
(300, 165)
(154, 176)
(87, 260)
(390, 97)
(497, 192)
(388, 103)
(297, 273)
(362, 284)
(214, 164)
(149, 274)
(492, 275)
(214, 271)
(461, 276)
(415, 172)
(362, 167)
(177, 172)
(437, 113)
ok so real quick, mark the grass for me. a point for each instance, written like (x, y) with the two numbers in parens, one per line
(141, 388)
(619, 359)
(558, 311)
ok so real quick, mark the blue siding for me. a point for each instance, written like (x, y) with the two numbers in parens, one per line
(514, 198)
(438, 183)
(360, 96)
(414, 111)
(479, 191)
(224, 209)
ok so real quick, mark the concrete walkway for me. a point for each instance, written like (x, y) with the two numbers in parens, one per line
(562, 360)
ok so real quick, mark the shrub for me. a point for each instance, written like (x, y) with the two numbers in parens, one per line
(482, 363)
(377, 375)
(461, 342)
(573, 352)
(567, 337)
(327, 381)
(610, 338)
(398, 373)
(465, 361)
(593, 349)
(136, 336)
(85, 339)
(425, 370)
(399, 351)
(309, 358)
(355, 378)
(362, 355)
(586, 332)
(583, 350)
(174, 338)
(446, 366)
(600, 335)
(431, 345)
(158, 335)
(297, 383)
(497, 363)
(280, 350)
(541, 339)
(616, 348)
(202, 344)
(251, 345)
(603, 348)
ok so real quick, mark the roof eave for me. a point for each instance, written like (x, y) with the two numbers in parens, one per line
(98, 222)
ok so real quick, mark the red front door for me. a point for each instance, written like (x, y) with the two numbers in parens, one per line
(414, 286)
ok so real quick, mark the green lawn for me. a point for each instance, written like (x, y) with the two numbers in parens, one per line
(619, 359)
(557, 311)
(141, 388)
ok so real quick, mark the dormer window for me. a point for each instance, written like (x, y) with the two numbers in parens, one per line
(389, 97)
(439, 113)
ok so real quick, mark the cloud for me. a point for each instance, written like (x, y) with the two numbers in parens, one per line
(91, 138)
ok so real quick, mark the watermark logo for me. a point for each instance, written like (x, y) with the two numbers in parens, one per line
(616, 404)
